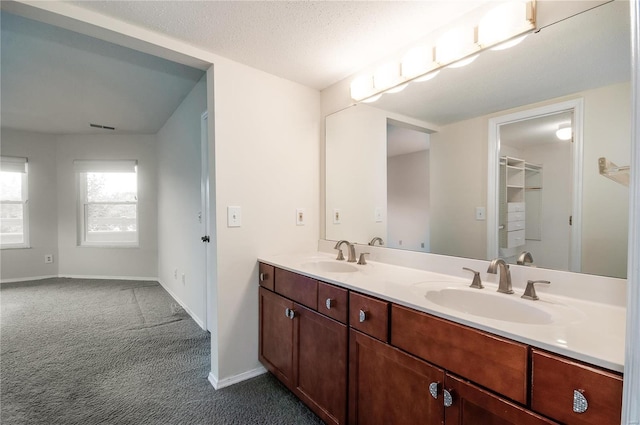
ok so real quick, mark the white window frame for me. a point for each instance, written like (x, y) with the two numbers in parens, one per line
(82, 167)
(19, 165)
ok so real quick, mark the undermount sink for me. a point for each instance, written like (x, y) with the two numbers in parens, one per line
(509, 308)
(329, 266)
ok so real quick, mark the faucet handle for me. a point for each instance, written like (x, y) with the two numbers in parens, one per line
(530, 291)
(477, 282)
(340, 255)
(361, 260)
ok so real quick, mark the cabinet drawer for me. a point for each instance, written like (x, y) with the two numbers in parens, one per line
(333, 301)
(265, 276)
(299, 288)
(554, 380)
(515, 216)
(515, 225)
(515, 238)
(493, 362)
(515, 207)
(369, 315)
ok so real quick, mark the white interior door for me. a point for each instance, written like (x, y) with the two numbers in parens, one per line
(204, 220)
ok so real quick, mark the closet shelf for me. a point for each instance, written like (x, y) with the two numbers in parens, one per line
(614, 172)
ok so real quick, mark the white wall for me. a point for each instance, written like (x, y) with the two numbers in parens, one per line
(179, 229)
(408, 202)
(74, 260)
(40, 149)
(266, 161)
(357, 183)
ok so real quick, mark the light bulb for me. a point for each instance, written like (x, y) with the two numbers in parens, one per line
(564, 132)
(361, 87)
(502, 23)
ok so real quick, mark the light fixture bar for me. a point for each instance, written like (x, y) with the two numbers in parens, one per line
(504, 25)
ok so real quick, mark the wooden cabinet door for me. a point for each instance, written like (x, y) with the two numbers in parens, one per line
(388, 386)
(320, 364)
(472, 405)
(276, 336)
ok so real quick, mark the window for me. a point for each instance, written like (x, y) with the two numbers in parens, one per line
(108, 203)
(14, 211)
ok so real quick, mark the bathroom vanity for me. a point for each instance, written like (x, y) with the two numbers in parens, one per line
(384, 344)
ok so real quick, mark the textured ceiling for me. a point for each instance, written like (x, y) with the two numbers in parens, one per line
(316, 43)
(57, 81)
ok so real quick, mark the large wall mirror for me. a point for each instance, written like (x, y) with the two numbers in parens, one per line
(421, 169)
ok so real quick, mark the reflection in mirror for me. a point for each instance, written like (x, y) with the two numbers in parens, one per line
(535, 187)
(564, 61)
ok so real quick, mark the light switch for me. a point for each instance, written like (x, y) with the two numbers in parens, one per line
(481, 213)
(336, 216)
(234, 216)
(299, 216)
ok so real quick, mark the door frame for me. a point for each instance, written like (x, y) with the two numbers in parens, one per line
(493, 178)
(205, 218)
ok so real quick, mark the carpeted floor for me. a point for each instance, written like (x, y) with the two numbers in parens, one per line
(76, 351)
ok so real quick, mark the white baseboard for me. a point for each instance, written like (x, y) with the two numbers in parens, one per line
(25, 279)
(195, 318)
(227, 382)
(78, 276)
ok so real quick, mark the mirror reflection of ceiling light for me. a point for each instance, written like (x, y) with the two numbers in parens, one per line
(455, 44)
(503, 26)
(564, 132)
(463, 62)
(502, 22)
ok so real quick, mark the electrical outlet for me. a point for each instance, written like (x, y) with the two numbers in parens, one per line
(336, 216)
(48, 258)
(299, 216)
(378, 215)
(234, 216)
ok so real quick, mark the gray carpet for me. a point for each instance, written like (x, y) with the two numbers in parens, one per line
(118, 352)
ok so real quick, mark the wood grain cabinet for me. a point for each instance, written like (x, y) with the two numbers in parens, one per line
(402, 366)
(473, 405)
(388, 386)
(573, 392)
(306, 350)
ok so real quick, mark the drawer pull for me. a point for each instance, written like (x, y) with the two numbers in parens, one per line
(329, 303)
(434, 388)
(448, 398)
(362, 316)
(263, 277)
(289, 313)
(580, 403)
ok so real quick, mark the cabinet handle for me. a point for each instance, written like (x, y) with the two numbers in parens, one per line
(580, 403)
(264, 276)
(362, 316)
(287, 312)
(329, 303)
(434, 389)
(448, 398)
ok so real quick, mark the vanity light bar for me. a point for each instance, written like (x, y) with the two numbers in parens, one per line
(503, 26)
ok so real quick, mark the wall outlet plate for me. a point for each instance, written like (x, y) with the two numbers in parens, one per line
(378, 215)
(299, 216)
(234, 216)
(48, 258)
(481, 213)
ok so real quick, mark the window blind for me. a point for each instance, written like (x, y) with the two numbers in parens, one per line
(13, 164)
(105, 166)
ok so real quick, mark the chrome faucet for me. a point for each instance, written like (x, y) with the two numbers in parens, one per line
(505, 275)
(352, 251)
(525, 258)
(376, 239)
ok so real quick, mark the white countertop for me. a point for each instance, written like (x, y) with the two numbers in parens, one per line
(588, 331)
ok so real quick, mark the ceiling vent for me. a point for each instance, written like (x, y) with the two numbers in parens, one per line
(106, 127)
